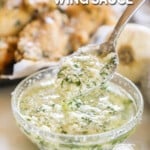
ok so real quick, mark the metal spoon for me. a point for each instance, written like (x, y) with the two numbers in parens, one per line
(110, 46)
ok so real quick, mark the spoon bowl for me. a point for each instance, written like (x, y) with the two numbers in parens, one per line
(107, 50)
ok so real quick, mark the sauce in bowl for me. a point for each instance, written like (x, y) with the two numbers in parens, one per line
(69, 107)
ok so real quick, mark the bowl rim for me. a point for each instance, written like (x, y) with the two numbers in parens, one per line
(109, 135)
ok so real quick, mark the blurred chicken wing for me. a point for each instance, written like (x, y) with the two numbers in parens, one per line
(11, 4)
(84, 21)
(44, 38)
(12, 21)
(40, 5)
(7, 49)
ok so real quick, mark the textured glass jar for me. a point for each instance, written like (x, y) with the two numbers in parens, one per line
(51, 141)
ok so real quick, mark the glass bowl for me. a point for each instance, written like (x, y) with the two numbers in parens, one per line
(46, 140)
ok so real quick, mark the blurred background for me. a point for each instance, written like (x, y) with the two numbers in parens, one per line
(36, 34)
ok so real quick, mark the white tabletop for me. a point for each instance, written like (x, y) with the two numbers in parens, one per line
(12, 139)
(10, 136)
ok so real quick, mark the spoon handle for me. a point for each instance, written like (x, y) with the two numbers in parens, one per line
(130, 10)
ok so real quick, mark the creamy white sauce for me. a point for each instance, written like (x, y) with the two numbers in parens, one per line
(99, 111)
(74, 102)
